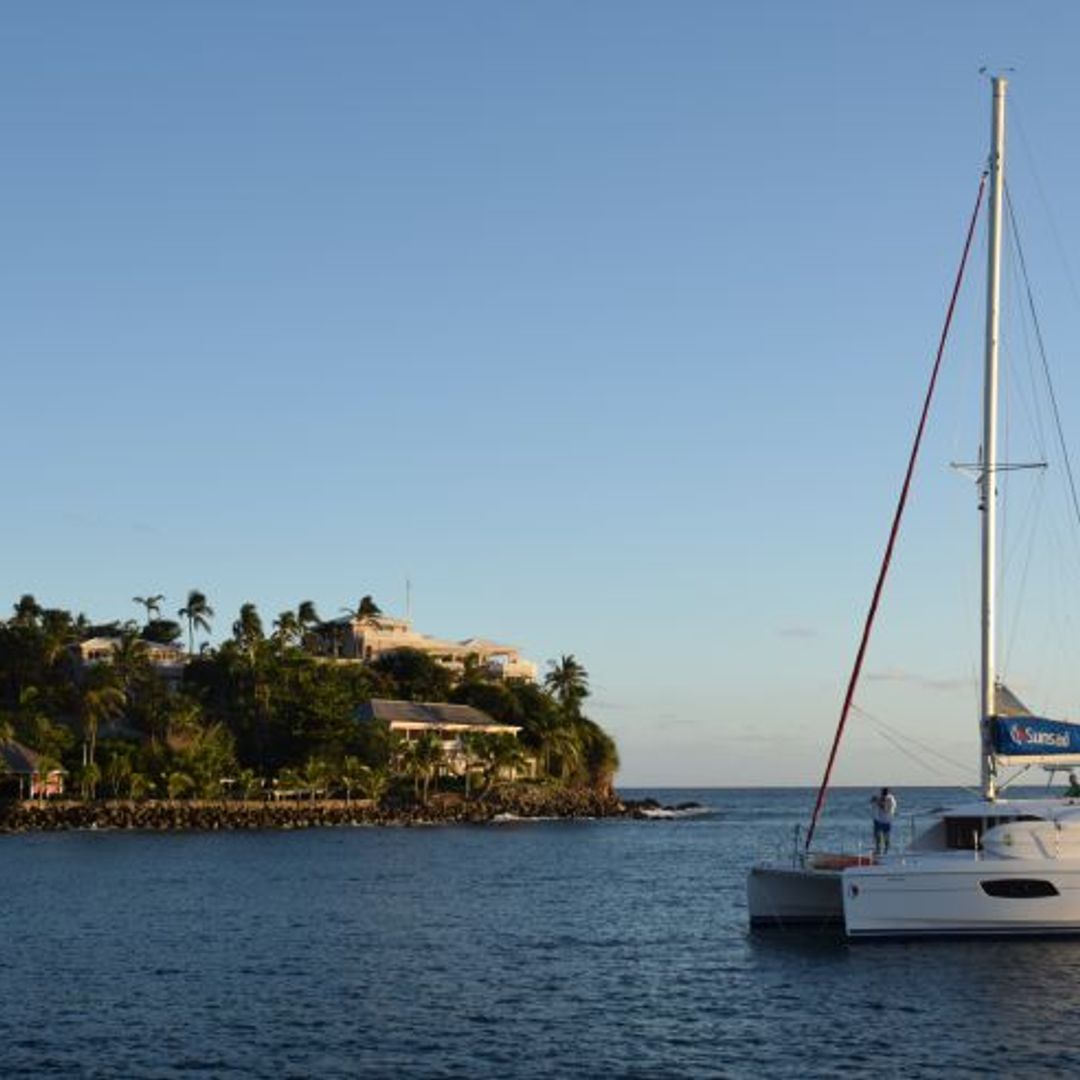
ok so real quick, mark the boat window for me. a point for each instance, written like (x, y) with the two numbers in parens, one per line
(965, 833)
(1019, 888)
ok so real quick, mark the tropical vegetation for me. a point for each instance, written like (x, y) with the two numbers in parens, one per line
(273, 713)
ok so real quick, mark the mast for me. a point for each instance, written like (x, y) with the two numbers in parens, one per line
(988, 479)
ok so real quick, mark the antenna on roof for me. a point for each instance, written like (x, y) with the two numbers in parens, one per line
(408, 597)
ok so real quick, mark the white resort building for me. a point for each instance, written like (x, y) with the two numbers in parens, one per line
(167, 660)
(368, 637)
(411, 719)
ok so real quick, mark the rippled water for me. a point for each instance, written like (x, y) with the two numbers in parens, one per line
(612, 948)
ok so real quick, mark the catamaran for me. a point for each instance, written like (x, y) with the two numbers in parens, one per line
(992, 866)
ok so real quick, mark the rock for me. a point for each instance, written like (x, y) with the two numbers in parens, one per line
(524, 801)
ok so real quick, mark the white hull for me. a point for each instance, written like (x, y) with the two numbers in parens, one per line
(959, 895)
(996, 867)
(787, 897)
(1022, 878)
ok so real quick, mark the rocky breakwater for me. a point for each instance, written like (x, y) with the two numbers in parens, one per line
(169, 815)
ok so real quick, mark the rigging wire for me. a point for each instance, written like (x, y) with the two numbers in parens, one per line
(1030, 398)
(1070, 478)
(1019, 527)
(1018, 126)
(1068, 272)
(899, 740)
(1031, 523)
(897, 517)
(1042, 354)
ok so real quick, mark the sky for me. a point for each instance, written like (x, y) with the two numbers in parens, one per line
(605, 325)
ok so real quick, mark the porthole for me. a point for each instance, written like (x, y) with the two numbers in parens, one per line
(1019, 888)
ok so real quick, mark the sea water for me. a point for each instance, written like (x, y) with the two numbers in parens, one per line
(522, 949)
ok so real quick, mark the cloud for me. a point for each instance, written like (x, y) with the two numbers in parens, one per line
(926, 682)
(667, 721)
(603, 705)
(804, 633)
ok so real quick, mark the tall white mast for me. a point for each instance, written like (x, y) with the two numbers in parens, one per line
(988, 478)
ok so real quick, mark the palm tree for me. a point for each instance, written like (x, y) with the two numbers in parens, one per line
(306, 615)
(318, 775)
(356, 776)
(560, 742)
(179, 784)
(248, 629)
(568, 682)
(130, 660)
(151, 603)
(58, 631)
(99, 699)
(427, 756)
(306, 619)
(118, 773)
(366, 607)
(289, 781)
(502, 754)
(198, 614)
(181, 720)
(249, 784)
(600, 755)
(89, 778)
(27, 611)
(472, 671)
(472, 751)
(207, 758)
(352, 773)
(373, 783)
(138, 785)
(286, 629)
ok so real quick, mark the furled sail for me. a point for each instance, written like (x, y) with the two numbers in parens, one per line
(1019, 737)
(1006, 703)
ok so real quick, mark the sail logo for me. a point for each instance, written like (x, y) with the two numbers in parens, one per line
(1029, 736)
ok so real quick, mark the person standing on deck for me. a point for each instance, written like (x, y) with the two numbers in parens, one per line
(884, 806)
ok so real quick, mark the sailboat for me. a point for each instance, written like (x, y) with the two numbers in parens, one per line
(991, 866)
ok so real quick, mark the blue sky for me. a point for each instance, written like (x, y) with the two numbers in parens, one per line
(604, 323)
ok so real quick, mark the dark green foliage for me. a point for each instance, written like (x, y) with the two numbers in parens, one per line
(282, 707)
(600, 757)
(198, 613)
(366, 607)
(27, 611)
(375, 746)
(162, 631)
(498, 700)
(414, 676)
(568, 683)
(257, 706)
(151, 602)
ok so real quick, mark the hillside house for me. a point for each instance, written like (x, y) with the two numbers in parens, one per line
(370, 636)
(411, 719)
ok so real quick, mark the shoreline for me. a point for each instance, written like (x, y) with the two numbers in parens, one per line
(163, 815)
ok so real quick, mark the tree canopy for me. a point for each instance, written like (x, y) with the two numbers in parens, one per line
(129, 724)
